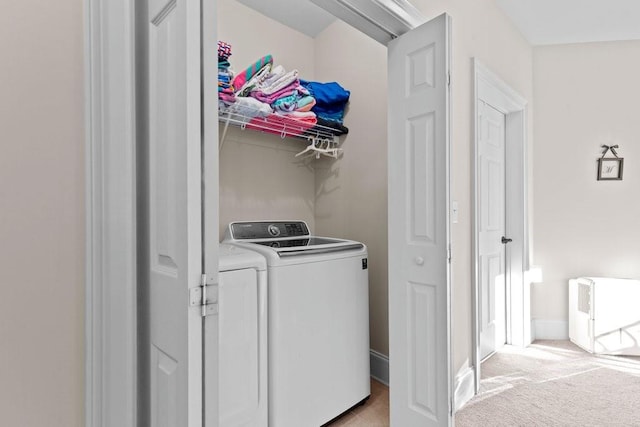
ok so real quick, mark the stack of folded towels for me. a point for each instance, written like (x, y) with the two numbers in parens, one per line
(263, 90)
(276, 88)
(283, 92)
(226, 91)
(243, 83)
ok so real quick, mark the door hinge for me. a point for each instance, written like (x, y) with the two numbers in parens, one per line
(204, 296)
(449, 254)
(449, 78)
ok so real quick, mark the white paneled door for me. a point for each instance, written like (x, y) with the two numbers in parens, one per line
(419, 236)
(175, 220)
(491, 223)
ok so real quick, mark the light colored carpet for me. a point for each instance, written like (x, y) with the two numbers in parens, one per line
(555, 383)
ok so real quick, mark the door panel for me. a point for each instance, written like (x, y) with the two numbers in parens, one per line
(419, 226)
(422, 367)
(174, 197)
(421, 160)
(491, 159)
(164, 384)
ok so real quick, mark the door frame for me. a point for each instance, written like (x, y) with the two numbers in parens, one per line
(515, 108)
(110, 316)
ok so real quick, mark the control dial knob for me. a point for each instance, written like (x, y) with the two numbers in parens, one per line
(273, 230)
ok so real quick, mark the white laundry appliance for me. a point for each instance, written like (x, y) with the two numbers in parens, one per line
(242, 338)
(318, 299)
(604, 316)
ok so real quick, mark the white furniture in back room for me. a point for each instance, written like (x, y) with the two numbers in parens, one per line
(604, 315)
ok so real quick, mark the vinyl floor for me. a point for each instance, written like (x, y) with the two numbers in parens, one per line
(374, 413)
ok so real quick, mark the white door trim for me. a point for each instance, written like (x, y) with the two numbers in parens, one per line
(110, 264)
(382, 20)
(502, 97)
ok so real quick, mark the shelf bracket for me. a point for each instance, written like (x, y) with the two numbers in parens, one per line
(224, 133)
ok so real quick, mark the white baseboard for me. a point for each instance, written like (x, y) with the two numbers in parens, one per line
(464, 388)
(543, 329)
(379, 367)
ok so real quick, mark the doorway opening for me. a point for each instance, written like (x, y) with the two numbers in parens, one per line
(500, 227)
(331, 214)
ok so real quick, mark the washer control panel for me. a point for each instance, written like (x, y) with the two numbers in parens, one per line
(268, 229)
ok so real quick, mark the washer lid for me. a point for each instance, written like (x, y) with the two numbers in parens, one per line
(293, 243)
(285, 238)
(236, 258)
(297, 247)
(319, 249)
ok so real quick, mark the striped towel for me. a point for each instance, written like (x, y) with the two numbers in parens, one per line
(246, 75)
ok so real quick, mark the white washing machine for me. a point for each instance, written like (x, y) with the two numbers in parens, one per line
(318, 298)
(242, 338)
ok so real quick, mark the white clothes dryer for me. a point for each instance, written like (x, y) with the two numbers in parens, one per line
(242, 338)
(318, 332)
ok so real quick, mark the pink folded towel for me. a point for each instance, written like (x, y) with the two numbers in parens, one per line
(292, 89)
(283, 125)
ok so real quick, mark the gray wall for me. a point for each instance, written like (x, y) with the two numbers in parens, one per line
(586, 95)
(260, 178)
(41, 213)
(351, 192)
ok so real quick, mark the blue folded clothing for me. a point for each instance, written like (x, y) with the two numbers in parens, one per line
(331, 99)
(327, 93)
(333, 115)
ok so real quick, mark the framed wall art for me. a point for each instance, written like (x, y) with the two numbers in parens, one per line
(610, 168)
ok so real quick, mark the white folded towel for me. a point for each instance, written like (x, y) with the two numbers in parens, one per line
(248, 107)
(276, 80)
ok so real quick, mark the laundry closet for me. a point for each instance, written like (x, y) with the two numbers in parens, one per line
(268, 176)
(260, 177)
(255, 187)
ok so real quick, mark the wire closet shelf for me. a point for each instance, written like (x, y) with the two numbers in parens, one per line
(277, 124)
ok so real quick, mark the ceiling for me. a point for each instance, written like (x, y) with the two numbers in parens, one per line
(545, 22)
(301, 15)
(542, 22)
